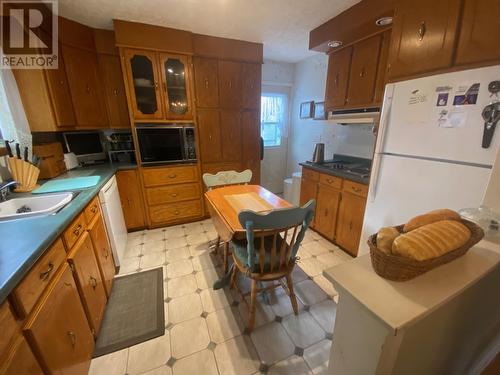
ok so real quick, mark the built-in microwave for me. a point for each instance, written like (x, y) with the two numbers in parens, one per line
(166, 143)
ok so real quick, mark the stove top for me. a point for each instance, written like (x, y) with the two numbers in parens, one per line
(356, 169)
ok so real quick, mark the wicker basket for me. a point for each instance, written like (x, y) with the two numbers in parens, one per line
(399, 268)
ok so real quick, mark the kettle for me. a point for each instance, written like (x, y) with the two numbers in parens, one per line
(319, 153)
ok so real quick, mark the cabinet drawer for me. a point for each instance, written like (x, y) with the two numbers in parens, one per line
(74, 231)
(310, 174)
(9, 328)
(356, 188)
(332, 181)
(175, 211)
(91, 210)
(169, 175)
(34, 283)
(20, 360)
(173, 193)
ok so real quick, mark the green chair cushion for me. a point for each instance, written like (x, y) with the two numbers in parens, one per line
(240, 250)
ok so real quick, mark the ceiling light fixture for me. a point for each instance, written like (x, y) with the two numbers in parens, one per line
(335, 43)
(384, 21)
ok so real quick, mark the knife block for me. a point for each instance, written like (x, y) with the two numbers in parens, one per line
(25, 173)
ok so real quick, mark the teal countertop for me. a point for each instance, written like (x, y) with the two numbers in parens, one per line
(23, 241)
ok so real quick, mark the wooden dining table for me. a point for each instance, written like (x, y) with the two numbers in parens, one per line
(225, 203)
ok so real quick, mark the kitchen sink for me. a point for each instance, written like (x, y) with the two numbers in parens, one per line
(29, 206)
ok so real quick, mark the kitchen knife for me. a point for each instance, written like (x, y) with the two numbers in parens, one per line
(26, 154)
(9, 150)
(18, 151)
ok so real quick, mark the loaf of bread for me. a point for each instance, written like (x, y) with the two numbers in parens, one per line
(429, 218)
(431, 240)
(385, 238)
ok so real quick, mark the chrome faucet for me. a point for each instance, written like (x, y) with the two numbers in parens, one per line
(4, 189)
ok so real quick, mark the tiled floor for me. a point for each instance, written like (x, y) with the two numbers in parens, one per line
(205, 329)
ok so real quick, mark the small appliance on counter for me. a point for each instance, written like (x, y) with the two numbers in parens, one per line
(87, 146)
(70, 161)
(319, 153)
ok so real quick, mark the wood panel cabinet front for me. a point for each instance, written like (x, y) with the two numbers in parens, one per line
(172, 193)
(129, 187)
(58, 330)
(157, 176)
(102, 251)
(480, 27)
(9, 328)
(308, 191)
(74, 231)
(21, 360)
(230, 123)
(327, 205)
(209, 130)
(251, 143)
(85, 87)
(423, 36)
(168, 213)
(89, 281)
(230, 92)
(382, 68)
(337, 78)
(251, 85)
(365, 55)
(350, 222)
(206, 82)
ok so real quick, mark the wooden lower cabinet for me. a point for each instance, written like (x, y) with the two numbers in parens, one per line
(129, 186)
(350, 222)
(102, 251)
(326, 211)
(175, 212)
(58, 330)
(308, 191)
(21, 360)
(90, 285)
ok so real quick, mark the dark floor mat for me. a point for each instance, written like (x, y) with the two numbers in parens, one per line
(134, 313)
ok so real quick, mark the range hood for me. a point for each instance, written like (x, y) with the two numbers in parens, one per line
(359, 116)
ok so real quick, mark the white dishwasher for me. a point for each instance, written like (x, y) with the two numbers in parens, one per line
(113, 217)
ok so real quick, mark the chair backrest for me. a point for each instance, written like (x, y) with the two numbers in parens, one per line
(279, 226)
(224, 178)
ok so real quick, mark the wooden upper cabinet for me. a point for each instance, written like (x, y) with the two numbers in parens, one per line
(114, 89)
(206, 82)
(363, 72)
(337, 78)
(423, 36)
(129, 187)
(143, 84)
(85, 87)
(327, 206)
(251, 83)
(350, 222)
(58, 329)
(176, 76)
(230, 124)
(230, 88)
(378, 95)
(209, 129)
(480, 27)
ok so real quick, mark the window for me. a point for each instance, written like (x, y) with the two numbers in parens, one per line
(272, 118)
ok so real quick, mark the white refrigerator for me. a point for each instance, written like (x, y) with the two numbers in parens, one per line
(429, 151)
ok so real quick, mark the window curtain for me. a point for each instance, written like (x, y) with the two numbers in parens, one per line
(273, 109)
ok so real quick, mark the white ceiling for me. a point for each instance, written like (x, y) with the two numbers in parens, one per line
(282, 25)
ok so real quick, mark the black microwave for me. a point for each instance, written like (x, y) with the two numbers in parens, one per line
(166, 143)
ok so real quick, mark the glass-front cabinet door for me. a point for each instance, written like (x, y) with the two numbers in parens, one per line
(176, 88)
(144, 87)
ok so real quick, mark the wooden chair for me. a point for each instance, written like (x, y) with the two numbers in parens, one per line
(270, 249)
(225, 178)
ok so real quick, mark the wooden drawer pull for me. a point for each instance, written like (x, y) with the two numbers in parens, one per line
(172, 175)
(356, 190)
(206, 83)
(177, 212)
(76, 232)
(93, 282)
(106, 252)
(93, 209)
(421, 31)
(45, 275)
(72, 337)
(174, 194)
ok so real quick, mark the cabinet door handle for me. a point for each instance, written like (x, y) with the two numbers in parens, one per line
(421, 31)
(76, 232)
(230, 84)
(93, 209)
(87, 88)
(210, 137)
(206, 83)
(156, 85)
(350, 226)
(174, 194)
(363, 72)
(356, 190)
(61, 82)
(45, 275)
(106, 253)
(93, 282)
(115, 92)
(336, 80)
(177, 212)
(72, 337)
(172, 176)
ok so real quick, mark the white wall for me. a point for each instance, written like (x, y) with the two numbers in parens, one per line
(309, 81)
(277, 73)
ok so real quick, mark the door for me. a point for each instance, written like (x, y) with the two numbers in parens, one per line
(337, 78)
(59, 330)
(132, 204)
(350, 222)
(85, 87)
(479, 31)
(206, 82)
(251, 85)
(423, 36)
(89, 281)
(274, 132)
(143, 84)
(230, 92)
(116, 100)
(176, 77)
(251, 145)
(230, 125)
(102, 251)
(327, 206)
(363, 72)
(210, 135)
